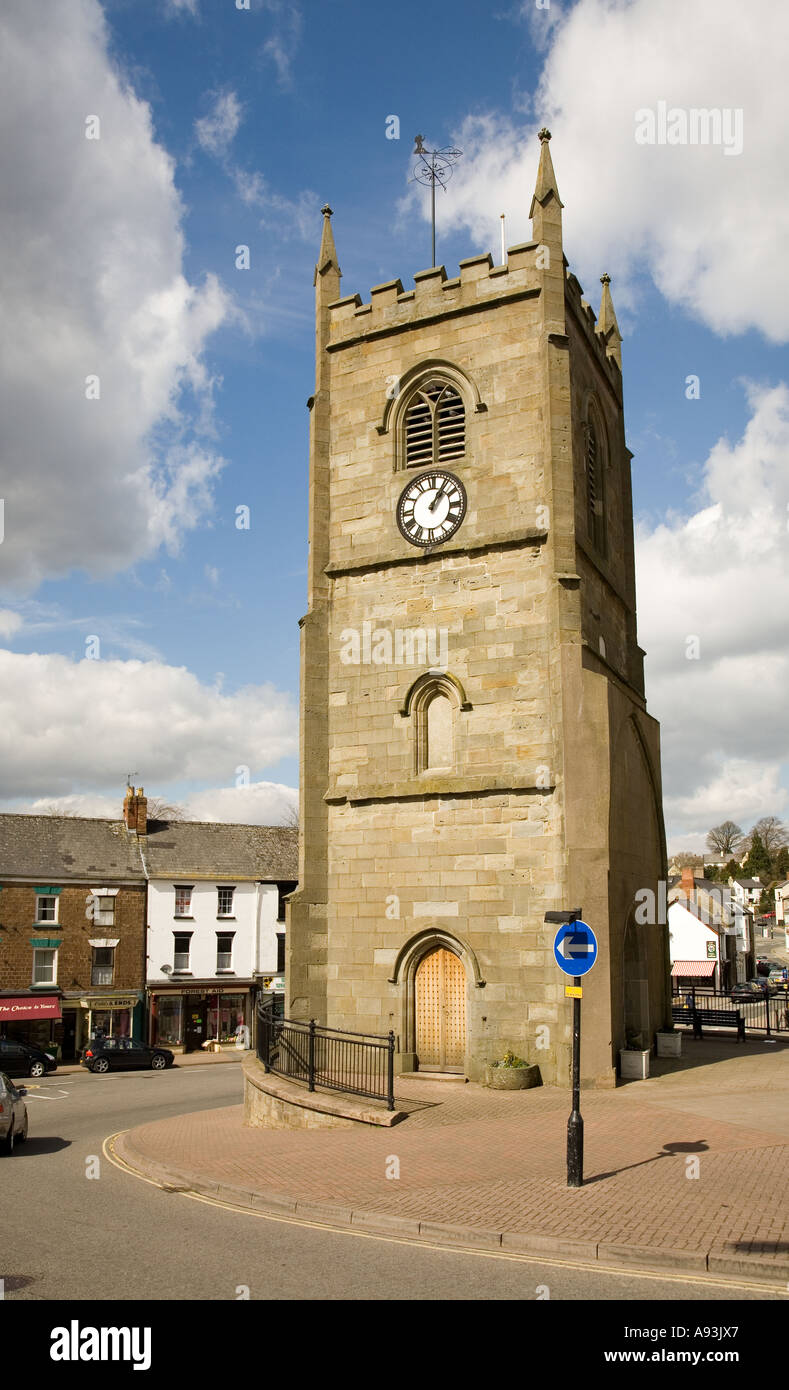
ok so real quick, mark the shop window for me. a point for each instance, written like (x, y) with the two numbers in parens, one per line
(103, 965)
(183, 902)
(46, 908)
(224, 950)
(169, 1020)
(224, 906)
(182, 943)
(280, 952)
(44, 966)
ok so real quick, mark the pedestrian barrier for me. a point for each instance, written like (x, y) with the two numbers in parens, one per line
(359, 1063)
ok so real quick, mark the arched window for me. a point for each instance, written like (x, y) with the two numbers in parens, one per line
(439, 733)
(595, 482)
(434, 700)
(435, 425)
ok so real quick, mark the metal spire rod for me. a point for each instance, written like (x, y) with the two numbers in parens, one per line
(435, 167)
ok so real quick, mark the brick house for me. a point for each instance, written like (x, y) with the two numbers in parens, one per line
(72, 930)
(92, 911)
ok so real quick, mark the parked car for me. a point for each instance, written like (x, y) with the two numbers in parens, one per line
(114, 1054)
(22, 1059)
(753, 989)
(13, 1114)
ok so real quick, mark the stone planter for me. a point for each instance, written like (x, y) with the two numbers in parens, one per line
(512, 1078)
(633, 1065)
(669, 1044)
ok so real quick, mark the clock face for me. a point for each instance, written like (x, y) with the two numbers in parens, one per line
(431, 508)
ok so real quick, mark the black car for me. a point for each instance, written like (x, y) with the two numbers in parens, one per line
(22, 1059)
(112, 1054)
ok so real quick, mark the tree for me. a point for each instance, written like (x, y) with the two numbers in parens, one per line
(724, 839)
(730, 870)
(773, 834)
(687, 859)
(782, 863)
(160, 810)
(758, 863)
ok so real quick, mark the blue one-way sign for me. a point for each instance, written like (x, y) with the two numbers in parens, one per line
(575, 948)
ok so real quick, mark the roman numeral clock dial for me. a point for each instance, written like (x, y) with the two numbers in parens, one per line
(431, 508)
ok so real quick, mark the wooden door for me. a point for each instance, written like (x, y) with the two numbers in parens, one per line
(440, 989)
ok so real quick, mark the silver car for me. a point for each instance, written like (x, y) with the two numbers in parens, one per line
(13, 1114)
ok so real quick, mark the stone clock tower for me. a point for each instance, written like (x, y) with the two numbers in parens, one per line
(475, 747)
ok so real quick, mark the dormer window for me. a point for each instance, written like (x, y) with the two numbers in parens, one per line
(435, 425)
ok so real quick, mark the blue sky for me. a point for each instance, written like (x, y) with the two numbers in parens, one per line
(293, 101)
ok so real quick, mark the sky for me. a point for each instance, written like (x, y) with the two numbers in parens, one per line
(153, 386)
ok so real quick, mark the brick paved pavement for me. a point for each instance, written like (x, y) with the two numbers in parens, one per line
(491, 1165)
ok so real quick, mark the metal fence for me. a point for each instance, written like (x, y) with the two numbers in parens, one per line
(361, 1063)
(768, 1014)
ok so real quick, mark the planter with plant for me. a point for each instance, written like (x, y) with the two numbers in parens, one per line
(511, 1073)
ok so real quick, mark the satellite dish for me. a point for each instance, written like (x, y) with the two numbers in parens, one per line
(166, 969)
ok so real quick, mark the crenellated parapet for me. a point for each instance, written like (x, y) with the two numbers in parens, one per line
(435, 295)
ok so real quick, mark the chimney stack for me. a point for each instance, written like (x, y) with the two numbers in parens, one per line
(688, 882)
(135, 811)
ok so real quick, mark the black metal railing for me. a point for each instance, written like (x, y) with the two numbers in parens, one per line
(761, 1013)
(359, 1063)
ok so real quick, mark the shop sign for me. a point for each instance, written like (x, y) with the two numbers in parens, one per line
(103, 1002)
(27, 1008)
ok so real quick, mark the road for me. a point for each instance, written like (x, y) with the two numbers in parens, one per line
(69, 1235)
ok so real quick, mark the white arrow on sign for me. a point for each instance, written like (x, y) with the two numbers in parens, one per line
(575, 945)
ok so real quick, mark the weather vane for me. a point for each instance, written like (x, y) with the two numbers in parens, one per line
(435, 167)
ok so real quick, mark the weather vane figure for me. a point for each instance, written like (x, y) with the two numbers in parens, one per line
(434, 166)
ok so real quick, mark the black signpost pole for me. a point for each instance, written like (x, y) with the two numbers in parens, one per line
(575, 1124)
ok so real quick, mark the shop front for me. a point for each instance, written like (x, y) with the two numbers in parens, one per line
(32, 1017)
(113, 1013)
(187, 1019)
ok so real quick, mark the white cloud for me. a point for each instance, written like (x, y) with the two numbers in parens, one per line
(10, 622)
(711, 229)
(67, 726)
(281, 47)
(91, 251)
(182, 6)
(261, 803)
(716, 582)
(217, 131)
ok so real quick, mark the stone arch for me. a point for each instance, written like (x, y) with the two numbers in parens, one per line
(404, 973)
(410, 383)
(425, 690)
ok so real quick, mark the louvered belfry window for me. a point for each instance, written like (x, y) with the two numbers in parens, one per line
(435, 426)
(594, 487)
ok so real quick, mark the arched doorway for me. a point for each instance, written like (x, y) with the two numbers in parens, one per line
(440, 1011)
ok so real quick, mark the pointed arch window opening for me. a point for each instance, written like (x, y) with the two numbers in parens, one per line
(435, 425)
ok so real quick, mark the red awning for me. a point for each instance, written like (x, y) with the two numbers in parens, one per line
(23, 1007)
(700, 968)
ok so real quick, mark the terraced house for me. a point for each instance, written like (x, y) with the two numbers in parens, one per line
(166, 931)
(72, 930)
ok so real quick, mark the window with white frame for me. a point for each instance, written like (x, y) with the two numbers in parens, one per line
(224, 903)
(45, 962)
(224, 950)
(46, 907)
(103, 965)
(103, 910)
(183, 901)
(182, 941)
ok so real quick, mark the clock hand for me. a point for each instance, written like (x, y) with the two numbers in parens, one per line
(438, 496)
